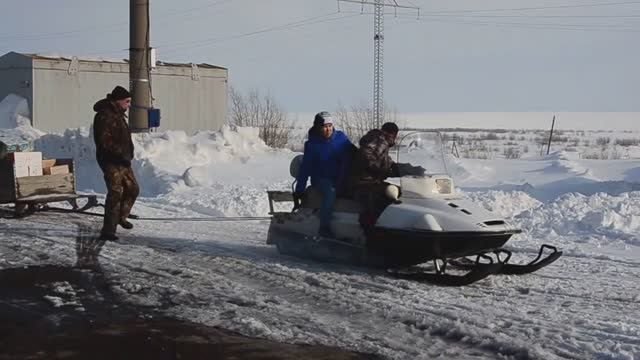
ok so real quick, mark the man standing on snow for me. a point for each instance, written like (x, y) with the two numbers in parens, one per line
(327, 155)
(114, 152)
(371, 166)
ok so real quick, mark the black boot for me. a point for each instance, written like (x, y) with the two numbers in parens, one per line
(126, 225)
(108, 237)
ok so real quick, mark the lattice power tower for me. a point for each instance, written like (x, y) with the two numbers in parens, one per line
(378, 51)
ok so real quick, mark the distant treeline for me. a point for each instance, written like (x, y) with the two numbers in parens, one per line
(500, 131)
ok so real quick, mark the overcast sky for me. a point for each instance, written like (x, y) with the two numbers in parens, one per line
(463, 55)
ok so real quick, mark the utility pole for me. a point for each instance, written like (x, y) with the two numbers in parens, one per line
(553, 123)
(139, 81)
(378, 66)
(378, 51)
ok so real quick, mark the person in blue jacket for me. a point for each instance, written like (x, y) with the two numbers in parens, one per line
(326, 158)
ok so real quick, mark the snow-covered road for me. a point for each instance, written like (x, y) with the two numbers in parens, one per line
(583, 306)
(586, 305)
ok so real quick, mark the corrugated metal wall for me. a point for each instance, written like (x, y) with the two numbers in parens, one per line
(190, 104)
(64, 98)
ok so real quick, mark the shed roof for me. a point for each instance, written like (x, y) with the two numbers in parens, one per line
(115, 61)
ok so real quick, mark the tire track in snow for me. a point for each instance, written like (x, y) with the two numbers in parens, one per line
(261, 272)
(536, 304)
(396, 318)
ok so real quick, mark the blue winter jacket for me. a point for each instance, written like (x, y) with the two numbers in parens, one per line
(325, 158)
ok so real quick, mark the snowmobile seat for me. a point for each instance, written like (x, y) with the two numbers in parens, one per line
(313, 199)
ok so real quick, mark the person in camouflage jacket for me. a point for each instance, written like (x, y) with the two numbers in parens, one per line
(114, 152)
(372, 163)
(371, 166)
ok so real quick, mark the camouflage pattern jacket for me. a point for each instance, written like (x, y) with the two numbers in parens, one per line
(372, 163)
(112, 135)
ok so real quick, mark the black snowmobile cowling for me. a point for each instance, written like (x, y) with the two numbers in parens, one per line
(428, 222)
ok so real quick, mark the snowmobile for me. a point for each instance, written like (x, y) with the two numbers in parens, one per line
(427, 221)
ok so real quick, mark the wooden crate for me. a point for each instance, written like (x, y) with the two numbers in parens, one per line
(16, 189)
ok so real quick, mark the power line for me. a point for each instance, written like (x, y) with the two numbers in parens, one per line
(292, 36)
(537, 8)
(611, 16)
(173, 47)
(543, 26)
(124, 24)
(210, 5)
(105, 27)
(623, 27)
(536, 16)
(207, 42)
(61, 34)
(378, 50)
(463, 17)
(170, 16)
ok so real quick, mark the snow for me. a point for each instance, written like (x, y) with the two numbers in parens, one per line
(585, 305)
(15, 125)
(81, 58)
(603, 121)
(14, 112)
(526, 120)
(65, 295)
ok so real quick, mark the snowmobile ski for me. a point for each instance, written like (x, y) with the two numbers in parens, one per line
(441, 278)
(513, 269)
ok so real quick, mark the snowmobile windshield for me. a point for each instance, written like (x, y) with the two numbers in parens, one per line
(421, 148)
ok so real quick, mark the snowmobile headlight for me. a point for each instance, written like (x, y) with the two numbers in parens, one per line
(443, 186)
(392, 192)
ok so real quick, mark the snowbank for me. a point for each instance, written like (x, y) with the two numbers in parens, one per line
(504, 203)
(15, 125)
(174, 161)
(596, 218)
(14, 112)
(565, 163)
(570, 220)
(226, 173)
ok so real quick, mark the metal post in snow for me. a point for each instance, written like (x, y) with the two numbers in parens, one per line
(553, 122)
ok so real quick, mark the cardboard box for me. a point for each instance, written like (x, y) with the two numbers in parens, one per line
(48, 163)
(54, 170)
(27, 163)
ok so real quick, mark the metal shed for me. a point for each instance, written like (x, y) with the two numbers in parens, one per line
(61, 91)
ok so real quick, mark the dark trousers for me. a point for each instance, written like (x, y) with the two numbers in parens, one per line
(328, 191)
(122, 191)
(373, 200)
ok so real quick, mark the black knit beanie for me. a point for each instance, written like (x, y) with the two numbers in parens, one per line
(390, 128)
(119, 93)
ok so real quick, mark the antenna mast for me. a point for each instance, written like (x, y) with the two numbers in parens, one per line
(378, 51)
